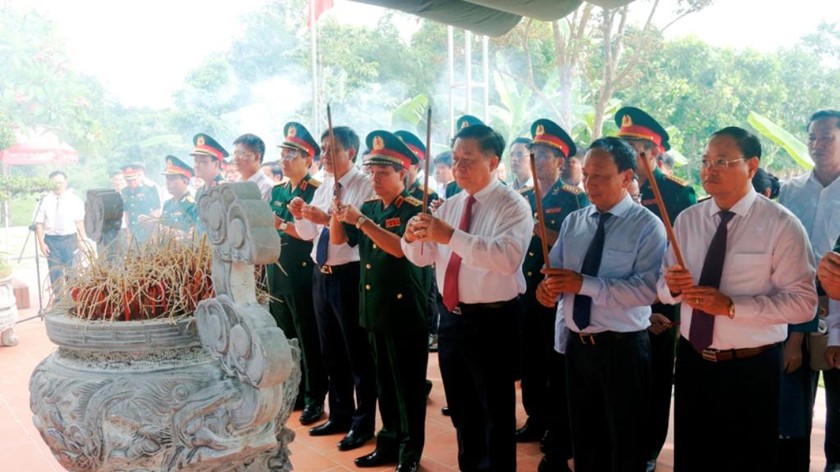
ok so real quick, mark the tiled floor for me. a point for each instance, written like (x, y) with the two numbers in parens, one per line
(22, 450)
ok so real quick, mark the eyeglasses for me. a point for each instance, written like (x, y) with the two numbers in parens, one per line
(720, 163)
(289, 155)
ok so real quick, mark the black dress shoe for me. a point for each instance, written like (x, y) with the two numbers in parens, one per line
(531, 432)
(376, 458)
(299, 403)
(330, 427)
(311, 414)
(354, 440)
(409, 466)
(444, 411)
(553, 465)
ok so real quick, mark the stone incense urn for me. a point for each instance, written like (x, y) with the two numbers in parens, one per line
(205, 393)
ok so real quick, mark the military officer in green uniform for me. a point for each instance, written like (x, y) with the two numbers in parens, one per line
(542, 367)
(392, 304)
(141, 204)
(179, 212)
(650, 140)
(209, 157)
(290, 284)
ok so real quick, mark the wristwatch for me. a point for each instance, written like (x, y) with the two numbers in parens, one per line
(283, 225)
(731, 310)
(361, 221)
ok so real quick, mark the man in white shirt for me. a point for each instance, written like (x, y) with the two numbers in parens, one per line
(814, 197)
(520, 164)
(477, 240)
(248, 154)
(749, 272)
(344, 345)
(59, 226)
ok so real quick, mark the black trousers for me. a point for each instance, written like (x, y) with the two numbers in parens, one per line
(478, 379)
(726, 414)
(832, 415)
(295, 315)
(345, 348)
(663, 351)
(609, 393)
(536, 345)
(558, 443)
(401, 360)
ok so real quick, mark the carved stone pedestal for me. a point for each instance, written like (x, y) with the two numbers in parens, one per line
(206, 393)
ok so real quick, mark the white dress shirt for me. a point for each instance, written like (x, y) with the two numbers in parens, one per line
(768, 271)
(264, 183)
(817, 207)
(355, 189)
(59, 214)
(491, 253)
(625, 286)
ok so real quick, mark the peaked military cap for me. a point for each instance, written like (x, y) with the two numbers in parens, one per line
(298, 137)
(386, 149)
(413, 142)
(207, 146)
(634, 123)
(175, 166)
(467, 120)
(132, 171)
(549, 133)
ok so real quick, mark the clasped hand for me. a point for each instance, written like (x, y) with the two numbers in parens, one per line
(425, 227)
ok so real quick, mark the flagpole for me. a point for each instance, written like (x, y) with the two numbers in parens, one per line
(313, 35)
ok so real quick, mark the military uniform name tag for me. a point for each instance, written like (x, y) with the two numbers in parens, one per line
(392, 223)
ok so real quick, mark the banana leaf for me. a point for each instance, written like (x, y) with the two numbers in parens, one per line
(796, 148)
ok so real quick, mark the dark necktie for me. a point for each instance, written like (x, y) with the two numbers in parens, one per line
(591, 264)
(450, 281)
(702, 323)
(322, 250)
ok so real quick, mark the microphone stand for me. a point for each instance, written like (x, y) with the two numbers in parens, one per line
(37, 262)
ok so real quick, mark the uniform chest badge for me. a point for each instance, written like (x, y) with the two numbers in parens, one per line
(392, 223)
(552, 211)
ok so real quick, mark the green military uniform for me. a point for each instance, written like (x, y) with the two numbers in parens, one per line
(143, 200)
(393, 309)
(180, 214)
(452, 189)
(635, 124)
(290, 280)
(290, 285)
(416, 191)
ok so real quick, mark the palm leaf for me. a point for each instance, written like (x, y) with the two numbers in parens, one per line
(796, 148)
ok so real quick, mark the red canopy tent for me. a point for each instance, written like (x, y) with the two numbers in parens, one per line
(36, 146)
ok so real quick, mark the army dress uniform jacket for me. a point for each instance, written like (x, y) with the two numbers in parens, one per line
(560, 200)
(295, 256)
(138, 201)
(180, 214)
(677, 194)
(416, 191)
(394, 291)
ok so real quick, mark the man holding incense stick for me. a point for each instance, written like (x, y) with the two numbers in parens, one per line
(543, 369)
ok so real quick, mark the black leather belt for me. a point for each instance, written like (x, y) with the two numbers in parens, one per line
(466, 308)
(717, 355)
(334, 269)
(604, 337)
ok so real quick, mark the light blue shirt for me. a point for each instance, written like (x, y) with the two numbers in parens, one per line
(625, 287)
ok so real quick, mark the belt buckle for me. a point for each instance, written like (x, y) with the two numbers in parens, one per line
(587, 336)
(456, 310)
(709, 354)
(325, 269)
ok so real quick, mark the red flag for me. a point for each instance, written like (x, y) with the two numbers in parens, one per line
(316, 8)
